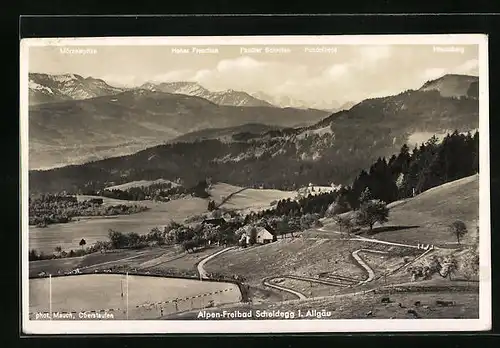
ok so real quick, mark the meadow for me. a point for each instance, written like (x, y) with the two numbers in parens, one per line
(93, 229)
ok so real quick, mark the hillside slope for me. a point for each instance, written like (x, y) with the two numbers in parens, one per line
(425, 218)
(224, 134)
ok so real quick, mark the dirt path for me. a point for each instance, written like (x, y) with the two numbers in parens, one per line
(362, 263)
(300, 295)
(372, 240)
(201, 264)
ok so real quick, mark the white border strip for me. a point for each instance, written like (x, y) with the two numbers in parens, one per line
(263, 326)
(441, 39)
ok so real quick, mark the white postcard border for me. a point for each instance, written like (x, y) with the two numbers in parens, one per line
(264, 326)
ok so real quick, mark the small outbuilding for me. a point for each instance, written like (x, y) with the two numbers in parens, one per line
(264, 236)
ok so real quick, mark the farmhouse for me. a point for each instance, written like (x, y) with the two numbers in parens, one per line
(264, 236)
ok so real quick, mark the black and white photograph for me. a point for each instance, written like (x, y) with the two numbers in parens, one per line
(255, 184)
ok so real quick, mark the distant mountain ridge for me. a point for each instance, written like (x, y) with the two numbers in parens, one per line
(224, 134)
(228, 97)
(46, 88)
(334, 149)
(76, 131)
(287, 101)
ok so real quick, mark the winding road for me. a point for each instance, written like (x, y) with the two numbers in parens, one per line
(201, 264)
(371, 273)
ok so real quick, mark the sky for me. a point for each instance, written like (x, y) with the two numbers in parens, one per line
(345, 73)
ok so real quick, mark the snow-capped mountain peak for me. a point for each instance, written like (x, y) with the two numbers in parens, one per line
(226, 97)
(45, 88)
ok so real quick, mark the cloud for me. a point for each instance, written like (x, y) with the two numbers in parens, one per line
(433, 73)
(365, 71)
(174, 76)
(373, 54)
(470, 67)
(338, 70)
(241, 63)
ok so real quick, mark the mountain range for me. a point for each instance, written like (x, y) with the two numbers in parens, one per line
(46, 88)
(76, 131)
(332, 149)
(287, 101)
(228, 97)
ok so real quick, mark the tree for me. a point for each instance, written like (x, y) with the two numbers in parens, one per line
(371, 212)
(211, 205)
(33, 255)
(133, 239)
(118, 240)
(449, 266)
(458, 229)
(82, 243)
(344, 223)
(253, 236)
(469, 264)
(365, 196)
(189, 245)
(58, 249)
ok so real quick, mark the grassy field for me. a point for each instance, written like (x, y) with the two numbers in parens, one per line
(146, 295)
(370, 305)
(110, 258)
(68, 235)
(150, 259)
(248, 200)
(428, 215)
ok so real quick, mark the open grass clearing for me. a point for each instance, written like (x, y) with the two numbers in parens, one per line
(249, 199)
(68, 235)
(432, 212)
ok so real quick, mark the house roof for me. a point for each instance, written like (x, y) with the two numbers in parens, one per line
(263, 232)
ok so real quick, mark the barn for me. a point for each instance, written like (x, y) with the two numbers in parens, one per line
(264, 236)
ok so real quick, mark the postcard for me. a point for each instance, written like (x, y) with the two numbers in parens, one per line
(255, 184)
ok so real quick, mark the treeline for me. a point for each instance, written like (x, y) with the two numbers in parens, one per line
(49, 209)
(431, 164)
(157, 192)
(408, 173)
(188, 237)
